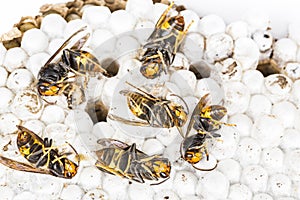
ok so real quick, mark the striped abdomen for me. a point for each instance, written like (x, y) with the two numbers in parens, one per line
(81, 61)
(31, 146)
(117, 160)
(140, 105)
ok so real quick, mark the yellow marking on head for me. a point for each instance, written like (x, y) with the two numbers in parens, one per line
(46, 89)
(53, 90)
(193, 157)
(161, 167)
(70, 169)
(165, 25)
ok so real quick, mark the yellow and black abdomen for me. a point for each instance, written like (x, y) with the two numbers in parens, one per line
(140, 105)
(215, 112)
(126, 161)
(108, 156)
(191, 148)
(44, 158)
(61, 166)
(81, 61)
(209, 118)
(154, 62)
(30, 145)
(114, 161)
(163, 115)
(161, 47)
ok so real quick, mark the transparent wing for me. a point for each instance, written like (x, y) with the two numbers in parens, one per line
(147, 95)
(87, 63)
(16, 165)
(75, 41)
(197, 110)
(158, 26)
(131, 122)
(111, 143)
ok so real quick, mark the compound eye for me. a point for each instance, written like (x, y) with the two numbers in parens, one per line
(48, 90)
(163, 175)
(42, 89)
(182, 121)
(189, 155)
(69, 175)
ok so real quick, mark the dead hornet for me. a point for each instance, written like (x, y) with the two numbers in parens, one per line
(123, 160)
(163, 43)
(61, 73)
(156, 111)
(42, 156)
(205, 120)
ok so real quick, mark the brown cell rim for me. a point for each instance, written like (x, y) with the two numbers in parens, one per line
(69, 11)
(73, 10)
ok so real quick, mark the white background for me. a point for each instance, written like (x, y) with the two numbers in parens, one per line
(281, 12)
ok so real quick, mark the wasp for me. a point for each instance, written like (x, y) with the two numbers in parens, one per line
(61, 73)
(156, 111)
(123, 160)
(163, 43)
(42, 156)
(205, 120)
